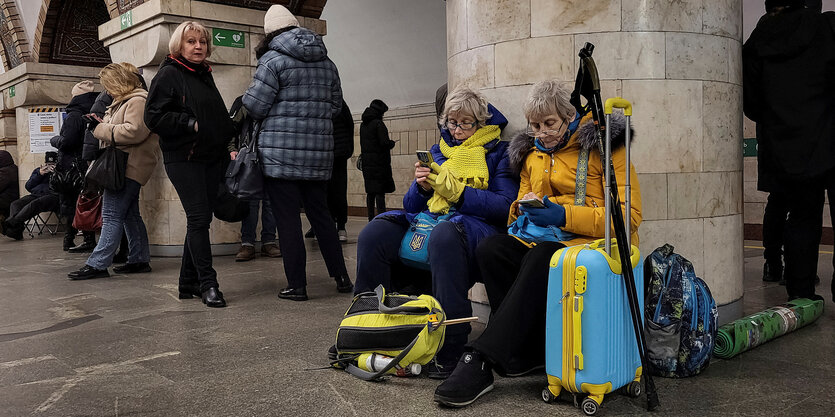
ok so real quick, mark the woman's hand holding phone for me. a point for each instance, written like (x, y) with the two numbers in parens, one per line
(421, 176)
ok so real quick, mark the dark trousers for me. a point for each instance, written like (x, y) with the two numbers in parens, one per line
(802, 236)
(285, 198)
(28, 206)
(338, 193)
(378, 262)
(516, 279)
(774, 226)
(370, 199)
(197, 185)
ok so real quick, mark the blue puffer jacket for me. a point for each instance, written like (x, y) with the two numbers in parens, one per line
(479, 213)
(296, 93)
(38, 185)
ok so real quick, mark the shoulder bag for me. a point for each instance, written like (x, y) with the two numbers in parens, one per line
(108, 170)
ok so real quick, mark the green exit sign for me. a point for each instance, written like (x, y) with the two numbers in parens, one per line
(230, 38)
(126, 19)
(749, 147)
(11, 91)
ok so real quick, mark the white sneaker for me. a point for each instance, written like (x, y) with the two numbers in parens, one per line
(343, 235)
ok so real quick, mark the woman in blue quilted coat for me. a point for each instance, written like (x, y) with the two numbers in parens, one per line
(295, 95)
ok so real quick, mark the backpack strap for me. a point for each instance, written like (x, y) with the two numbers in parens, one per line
(582, 173)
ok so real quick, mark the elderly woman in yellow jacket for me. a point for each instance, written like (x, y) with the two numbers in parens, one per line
(560, 166)
(123, 123)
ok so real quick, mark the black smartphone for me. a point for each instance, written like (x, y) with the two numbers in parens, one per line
(536, 203)
(425, 158)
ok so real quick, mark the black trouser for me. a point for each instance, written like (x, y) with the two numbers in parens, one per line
(197, 185)
(516, 278)
(802, 235)
(338, 193)
(381, 204)
(285, 198)
(774, 227)
(29, 206)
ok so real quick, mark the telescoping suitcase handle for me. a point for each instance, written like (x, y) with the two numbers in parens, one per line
(608, 108)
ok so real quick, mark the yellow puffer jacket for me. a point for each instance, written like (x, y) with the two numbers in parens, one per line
(555, 176)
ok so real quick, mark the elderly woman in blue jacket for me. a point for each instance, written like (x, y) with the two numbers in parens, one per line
(295, 95)
(470, 186)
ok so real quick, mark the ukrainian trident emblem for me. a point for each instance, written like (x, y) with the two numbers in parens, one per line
(418, 239)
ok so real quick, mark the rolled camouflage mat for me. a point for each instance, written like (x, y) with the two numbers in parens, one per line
(749, 332)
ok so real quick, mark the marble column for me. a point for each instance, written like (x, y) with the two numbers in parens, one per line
(678, 61)
(144, 43)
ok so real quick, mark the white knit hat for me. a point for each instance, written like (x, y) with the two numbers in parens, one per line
(278, 17)
(85, 86)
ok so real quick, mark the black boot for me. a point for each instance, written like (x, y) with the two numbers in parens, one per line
(69, 236)
(88, 272)
(12, 230)
(213, 298)
(343, 284)
(295, 294)
(472, 378)
(772, 272)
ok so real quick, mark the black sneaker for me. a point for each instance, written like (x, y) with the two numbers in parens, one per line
(88, 272)
(295, 294)
(138, 268)
(471, 379)
(440, 369)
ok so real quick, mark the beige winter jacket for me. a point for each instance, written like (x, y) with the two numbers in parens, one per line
(124, 122)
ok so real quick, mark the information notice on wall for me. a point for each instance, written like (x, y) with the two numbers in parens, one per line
(44, 123)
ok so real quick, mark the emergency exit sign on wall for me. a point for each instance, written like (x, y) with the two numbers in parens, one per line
(230, 38)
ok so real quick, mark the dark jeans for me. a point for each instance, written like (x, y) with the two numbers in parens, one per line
(774, 226)
(120, 215)
(370, 199)
(338, 193)
(285, 198)
(516, 278)
(197, 185)
(802, 236)
(28, 206)
(378, 262)
(249, 224)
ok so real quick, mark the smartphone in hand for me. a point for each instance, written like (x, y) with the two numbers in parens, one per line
(532, 203)
(425, 158)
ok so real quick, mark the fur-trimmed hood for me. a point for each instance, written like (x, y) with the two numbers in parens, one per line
(522, 144)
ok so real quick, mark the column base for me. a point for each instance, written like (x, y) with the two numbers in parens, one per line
(176, 251)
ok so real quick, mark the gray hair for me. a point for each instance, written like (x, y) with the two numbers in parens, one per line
(465, 101)
(547, 98)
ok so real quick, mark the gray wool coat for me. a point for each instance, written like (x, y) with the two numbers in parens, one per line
(295, 94)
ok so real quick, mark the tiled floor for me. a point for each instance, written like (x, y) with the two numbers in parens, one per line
(127, 346)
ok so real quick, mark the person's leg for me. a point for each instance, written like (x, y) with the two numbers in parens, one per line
(21, 206)
(803, 233)
(377, 250)
(267, 223)
(314, 196)
(381, 203)
(499, 259)
(139, 250)
(250, 223)
(774, 224)
(197, 187)
(115, 208)
(514, 340)
(830, 193)
(369, 204)
(451, 281)
(337, 193)
(285, 198)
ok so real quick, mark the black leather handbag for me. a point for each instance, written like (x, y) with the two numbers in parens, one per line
(68, 181)
(244, 178)
(108, 170)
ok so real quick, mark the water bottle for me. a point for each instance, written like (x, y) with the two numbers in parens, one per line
(374, 362)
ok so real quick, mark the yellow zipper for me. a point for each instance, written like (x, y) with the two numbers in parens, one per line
(569, 264)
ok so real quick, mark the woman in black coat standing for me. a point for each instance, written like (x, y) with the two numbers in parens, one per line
(376, 148)
(186, 110)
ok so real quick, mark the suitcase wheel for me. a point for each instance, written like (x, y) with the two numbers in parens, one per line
(589, 406)
(633, 389)
(548, 396)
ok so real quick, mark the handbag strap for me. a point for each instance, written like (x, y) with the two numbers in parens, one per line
(582, 174)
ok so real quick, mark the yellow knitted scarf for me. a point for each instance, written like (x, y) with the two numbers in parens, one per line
(466, 163)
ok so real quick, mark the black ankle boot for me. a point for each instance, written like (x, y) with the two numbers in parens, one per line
(213, 298)
(69, 241)
(343, 284)
(472, 378)
(772, 273)
(295, 294)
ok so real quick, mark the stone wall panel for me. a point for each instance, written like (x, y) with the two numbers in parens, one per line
(491, 21)
(662, 15)
(550, 17)
(696, 57)
(722, 124)
(530, 60)
(625, 55)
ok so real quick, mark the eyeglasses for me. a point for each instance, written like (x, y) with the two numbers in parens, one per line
(464, 126)
(535, 130)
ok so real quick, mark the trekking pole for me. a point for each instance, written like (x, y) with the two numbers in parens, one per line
(588, 85)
